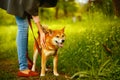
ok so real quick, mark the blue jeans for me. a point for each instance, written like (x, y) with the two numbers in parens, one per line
(22, 42)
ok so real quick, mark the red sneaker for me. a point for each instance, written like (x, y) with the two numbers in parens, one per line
(33, 73)
(30, 74)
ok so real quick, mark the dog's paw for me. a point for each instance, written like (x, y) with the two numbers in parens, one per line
(46, 69)
(33, 69)
(56, 74)
(42, 75)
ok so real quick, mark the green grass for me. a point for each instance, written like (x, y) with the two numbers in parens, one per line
(83, 55)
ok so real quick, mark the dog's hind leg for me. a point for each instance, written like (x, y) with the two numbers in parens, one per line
(35, 55)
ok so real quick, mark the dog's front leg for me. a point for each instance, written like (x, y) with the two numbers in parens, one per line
(55, 62)
(34, 59)
(43, 64)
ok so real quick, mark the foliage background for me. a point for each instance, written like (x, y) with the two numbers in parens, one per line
(92, 46)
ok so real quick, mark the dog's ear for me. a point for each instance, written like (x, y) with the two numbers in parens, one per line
(63, 29)
(50, 32)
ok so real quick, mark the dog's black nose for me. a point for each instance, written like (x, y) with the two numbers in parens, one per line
(63, 41)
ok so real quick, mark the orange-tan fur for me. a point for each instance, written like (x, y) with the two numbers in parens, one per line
(53, 40)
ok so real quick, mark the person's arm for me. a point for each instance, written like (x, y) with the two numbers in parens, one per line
(42, 34)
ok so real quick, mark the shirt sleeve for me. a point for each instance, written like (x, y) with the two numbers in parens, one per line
(31, 6)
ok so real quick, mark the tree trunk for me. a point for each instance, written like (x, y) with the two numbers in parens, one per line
(65, 12)
(116, 5)
(56, 12)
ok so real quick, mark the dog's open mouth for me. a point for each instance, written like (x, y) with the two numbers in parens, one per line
(59, 44)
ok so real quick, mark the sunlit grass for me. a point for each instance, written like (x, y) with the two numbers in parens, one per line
(83, 54)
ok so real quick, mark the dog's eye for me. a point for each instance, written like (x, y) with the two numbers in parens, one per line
(57, 36)
(63, 35)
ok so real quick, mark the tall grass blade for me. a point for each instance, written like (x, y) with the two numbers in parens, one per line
(103, 66)
(81, 74)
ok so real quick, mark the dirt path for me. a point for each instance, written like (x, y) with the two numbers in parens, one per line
(49, 76)
(8, 71)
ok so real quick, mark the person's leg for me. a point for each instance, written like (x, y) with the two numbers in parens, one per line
(22, 42)
(22, 47)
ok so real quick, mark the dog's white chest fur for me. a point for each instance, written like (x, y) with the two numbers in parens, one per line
(49, 52)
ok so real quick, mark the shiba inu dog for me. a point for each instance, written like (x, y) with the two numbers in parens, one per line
(54, 40)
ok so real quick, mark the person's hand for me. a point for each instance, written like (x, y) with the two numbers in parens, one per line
(42, 34)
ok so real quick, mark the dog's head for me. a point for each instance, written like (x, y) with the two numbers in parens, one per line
(57, 37)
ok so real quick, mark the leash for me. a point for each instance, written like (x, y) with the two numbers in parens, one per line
(37, 45)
